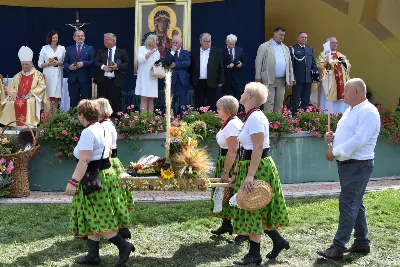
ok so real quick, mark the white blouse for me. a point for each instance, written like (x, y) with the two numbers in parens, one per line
(231, 129)
(109, 126)
(92, 138)
(256, 123)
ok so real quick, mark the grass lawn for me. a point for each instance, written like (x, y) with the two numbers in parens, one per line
(179, 235)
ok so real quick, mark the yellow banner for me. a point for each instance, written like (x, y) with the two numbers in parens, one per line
(80, 3)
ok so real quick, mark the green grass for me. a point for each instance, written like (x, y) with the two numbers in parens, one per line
(178, 235)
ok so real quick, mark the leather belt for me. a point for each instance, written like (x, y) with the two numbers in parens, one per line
(246, 154)
(349, 161)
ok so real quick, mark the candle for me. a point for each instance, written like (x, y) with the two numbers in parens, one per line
(189, 141)
(77, 16)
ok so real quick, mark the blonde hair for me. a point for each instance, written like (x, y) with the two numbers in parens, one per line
(229, 104)
(259, 91)
(151, 38)
(105, 107)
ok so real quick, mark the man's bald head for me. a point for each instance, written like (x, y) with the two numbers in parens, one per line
(355, 91)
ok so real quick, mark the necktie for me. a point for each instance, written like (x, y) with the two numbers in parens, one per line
(109, 59)
(176, 54)
(230, 54)
(79, 51)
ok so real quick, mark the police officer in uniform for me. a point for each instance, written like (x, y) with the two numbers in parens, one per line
(305, 71)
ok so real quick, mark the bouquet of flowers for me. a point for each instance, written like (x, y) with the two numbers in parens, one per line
(147, 166)
(6, 168)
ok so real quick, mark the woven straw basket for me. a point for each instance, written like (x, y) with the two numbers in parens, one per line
(259, 198)
(20, 182)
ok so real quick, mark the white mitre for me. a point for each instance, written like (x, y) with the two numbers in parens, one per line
(25, 54)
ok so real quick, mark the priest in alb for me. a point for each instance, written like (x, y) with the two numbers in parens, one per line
(25, 95)
(340, 74)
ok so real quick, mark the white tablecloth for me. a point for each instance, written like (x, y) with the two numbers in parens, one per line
(64, 93)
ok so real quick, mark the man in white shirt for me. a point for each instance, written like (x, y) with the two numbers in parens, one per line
(207, 72)
(274, 69)
(353, 148)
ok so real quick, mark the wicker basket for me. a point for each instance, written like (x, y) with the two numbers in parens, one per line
(20, 182)
(259, 198)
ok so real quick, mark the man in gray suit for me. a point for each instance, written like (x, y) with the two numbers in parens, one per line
(274, 69)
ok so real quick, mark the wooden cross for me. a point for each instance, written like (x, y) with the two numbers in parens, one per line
(77, 25)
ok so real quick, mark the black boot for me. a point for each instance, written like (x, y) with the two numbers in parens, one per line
(279, 243)
(240, 239)
(226, 227)
(125, 248)
(253, 257)
(125, 233)
(93, 257)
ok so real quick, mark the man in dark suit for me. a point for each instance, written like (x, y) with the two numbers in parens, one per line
(78, 62)
(233, 59)
(304, 68)
(207, 72)
(111, 63)
(179, 62)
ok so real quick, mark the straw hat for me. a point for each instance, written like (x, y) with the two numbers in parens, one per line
(259, 198)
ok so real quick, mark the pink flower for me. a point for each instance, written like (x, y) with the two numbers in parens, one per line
(58, 154)
(317, 134)
(75, 139)
(64, 132)
(281, 143)
(10, 167)
(70, 154)
(204, 109)
(155, 132)
(61, 124)
(290, 127)
(57, 137)
(317, 120)
(120, 113)
(150, 130)
(126, 116)
(2, 161)
(297, 130)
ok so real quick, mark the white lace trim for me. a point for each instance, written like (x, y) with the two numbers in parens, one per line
(218, 199)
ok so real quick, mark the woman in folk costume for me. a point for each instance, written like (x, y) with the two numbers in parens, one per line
(104, 119)
(227, 140)
(93, 212)
(255, 163)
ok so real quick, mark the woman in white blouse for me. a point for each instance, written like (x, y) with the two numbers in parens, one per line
(126, 196)
(147, 86)
(227, 140)
(96, 214)
(51, 59)
(255, 163)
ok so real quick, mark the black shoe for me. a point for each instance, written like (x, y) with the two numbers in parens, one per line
(279, 243)
(249, 260)
(125, 233)
(355, 248)
(125, 248)
(240, 239)
(226, 227)
(331, 253)
(93, 257)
